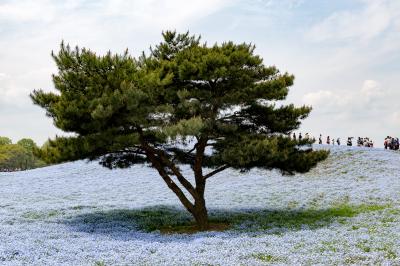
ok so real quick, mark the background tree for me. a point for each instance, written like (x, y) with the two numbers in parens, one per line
(211, 107)
(5, 141)
(20, 156)
(28, 144)
(14, 157)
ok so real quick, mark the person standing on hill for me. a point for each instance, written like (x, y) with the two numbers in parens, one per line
(294, 136)
(338, 141)
(386, 142)
(328, 140)
(320, 139)
(300, 137)
(349, 141)
(359, 142)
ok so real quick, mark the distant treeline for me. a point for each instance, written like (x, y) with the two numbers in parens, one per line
(18, 156)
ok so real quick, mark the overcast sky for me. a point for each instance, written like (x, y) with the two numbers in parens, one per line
(344, 53)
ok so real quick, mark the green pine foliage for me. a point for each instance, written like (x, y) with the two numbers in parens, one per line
(170, 106)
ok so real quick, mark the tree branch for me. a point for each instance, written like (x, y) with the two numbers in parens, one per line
(188, 152)
(170, 183)
(159, 163)
(189, 187)
(164, 161)
(137, 150)
(216, 171)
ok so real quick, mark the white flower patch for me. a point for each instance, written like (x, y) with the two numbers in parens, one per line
(82, 214)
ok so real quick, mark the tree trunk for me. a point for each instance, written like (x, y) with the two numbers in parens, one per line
(200, 210)
(200, 214)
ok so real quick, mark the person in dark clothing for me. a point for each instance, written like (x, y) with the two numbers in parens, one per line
(349, 141)
(320, 139)
(294, 136)
(394, 144)
(338, 141)
(300, 137)
(328, 140)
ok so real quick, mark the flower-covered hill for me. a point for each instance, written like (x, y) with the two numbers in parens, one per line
(345, 211)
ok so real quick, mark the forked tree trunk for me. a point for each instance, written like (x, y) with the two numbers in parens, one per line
(198, 209)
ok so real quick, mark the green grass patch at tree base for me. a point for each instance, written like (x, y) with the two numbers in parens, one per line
(171, 220)
(192, 228)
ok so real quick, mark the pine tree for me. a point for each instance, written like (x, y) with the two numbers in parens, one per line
(210, 107)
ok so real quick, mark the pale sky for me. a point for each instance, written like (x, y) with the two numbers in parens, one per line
(344, 53)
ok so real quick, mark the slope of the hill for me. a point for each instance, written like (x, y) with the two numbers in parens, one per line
(345, 211)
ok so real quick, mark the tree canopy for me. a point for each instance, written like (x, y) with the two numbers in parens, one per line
(28, 144)
(5, 141)
(210, 107)
(19, 156)
(14, 157)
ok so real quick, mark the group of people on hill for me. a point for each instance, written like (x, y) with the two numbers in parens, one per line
(391, 143)
(365, 142)
(306, 136)
(329, 140)
(361, 142)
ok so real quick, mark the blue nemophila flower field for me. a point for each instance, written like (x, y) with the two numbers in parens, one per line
(345, 211)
